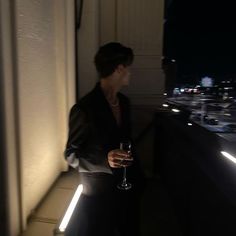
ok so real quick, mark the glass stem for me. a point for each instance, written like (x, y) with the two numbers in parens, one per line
(124, 175)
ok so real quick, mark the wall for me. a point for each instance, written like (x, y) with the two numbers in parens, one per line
(10, 191)
(42, 102)
(39, 89)
(88, 43)
(138, 24)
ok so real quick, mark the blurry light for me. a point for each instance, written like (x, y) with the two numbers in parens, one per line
(70, 209)
(229, 156)
(182, 90)
(190, 124)
(165, 94)
(165, 105)
(173, 60)
(175, 110)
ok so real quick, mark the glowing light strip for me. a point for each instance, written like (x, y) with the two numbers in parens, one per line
(190, 124)
(70, 209)
(165, 105)
(175, 110)
(229, 156)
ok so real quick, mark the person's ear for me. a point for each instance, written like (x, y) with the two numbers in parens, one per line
(120, 68)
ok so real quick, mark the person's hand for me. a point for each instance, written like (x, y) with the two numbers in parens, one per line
(118, 158)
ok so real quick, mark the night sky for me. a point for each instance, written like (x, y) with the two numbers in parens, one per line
(201, 36)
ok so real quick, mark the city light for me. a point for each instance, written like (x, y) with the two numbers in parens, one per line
(70, 209)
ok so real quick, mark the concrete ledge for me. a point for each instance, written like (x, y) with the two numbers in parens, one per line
(39, 229)
(50, 211)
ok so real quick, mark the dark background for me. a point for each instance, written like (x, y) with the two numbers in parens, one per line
(201, 36)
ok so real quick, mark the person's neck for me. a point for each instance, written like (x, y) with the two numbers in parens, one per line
(110, 90)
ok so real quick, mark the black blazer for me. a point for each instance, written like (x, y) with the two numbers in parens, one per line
(93, 130)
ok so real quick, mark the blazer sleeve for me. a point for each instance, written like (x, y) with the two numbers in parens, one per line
(78, 132)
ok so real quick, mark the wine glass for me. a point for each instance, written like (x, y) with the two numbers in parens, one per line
(124, 185)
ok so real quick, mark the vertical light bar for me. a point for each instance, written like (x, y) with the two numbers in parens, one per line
(229, 156)
(70, 209)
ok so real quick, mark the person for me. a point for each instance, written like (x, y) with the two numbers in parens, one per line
(97, 124)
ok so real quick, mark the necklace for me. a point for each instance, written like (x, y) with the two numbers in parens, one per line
(114, 104)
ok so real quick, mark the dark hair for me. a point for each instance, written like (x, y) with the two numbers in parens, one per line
(110, 55)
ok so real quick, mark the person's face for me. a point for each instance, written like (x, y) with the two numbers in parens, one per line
(124, 72)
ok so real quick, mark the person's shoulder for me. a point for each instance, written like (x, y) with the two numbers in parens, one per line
(82, 103)
(79, 108)
(75, 109)
(87, 100)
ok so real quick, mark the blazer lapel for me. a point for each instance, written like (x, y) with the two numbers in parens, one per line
(104, 110)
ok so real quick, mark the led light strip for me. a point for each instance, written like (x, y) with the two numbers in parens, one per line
(70, 209)
(229, 156)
